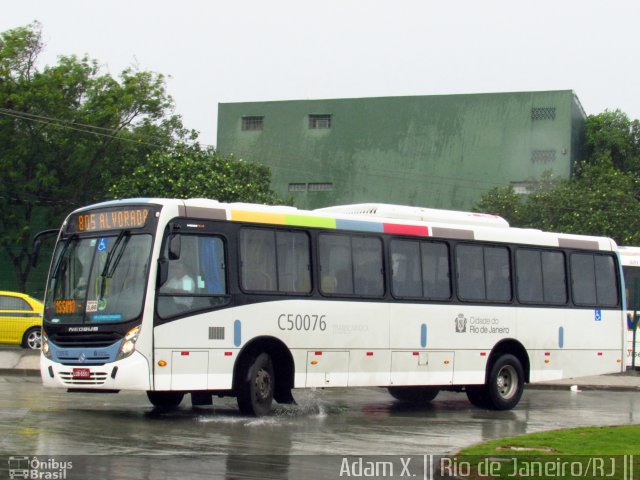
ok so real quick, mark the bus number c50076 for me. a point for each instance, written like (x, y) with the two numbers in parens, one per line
(309, 323)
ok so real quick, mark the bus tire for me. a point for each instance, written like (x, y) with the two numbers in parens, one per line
(505, 383)
(256, 386)
(417, 395)
(477, 395)
(165, 399)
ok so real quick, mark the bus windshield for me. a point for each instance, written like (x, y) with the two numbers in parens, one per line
(98, 279)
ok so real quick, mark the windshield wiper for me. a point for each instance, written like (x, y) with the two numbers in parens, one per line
(108, 270)
(56, 269)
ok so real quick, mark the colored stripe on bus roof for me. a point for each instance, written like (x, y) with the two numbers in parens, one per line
(283, 219)
(257, 217)
(359, 226)
(309, 221)
(329, 223)
(414, 230)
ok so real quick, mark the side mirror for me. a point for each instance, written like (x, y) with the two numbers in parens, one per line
(175, 244)
(163, 272)
(36, 253)
(37, 243)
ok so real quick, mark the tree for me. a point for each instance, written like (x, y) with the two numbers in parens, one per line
(192, 172)
(66, 132)
(612, 135)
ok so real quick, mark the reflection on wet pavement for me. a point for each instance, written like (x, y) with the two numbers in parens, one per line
(38, 421)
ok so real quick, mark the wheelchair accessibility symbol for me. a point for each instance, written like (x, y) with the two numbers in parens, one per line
(598, 315)
(102, 244)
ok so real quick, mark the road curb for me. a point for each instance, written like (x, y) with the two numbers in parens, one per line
(610, 388)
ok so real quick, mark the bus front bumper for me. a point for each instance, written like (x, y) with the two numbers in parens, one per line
(131, 373)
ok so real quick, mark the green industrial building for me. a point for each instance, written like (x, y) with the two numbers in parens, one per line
(439, 151)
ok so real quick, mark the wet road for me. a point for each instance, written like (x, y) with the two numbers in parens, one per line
(42, 422)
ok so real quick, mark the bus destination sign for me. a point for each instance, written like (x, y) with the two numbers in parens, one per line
(109, 219)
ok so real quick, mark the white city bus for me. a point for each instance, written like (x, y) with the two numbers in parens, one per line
(194, 296)
(630, 258)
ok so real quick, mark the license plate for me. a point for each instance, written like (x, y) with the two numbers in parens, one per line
(81, 373)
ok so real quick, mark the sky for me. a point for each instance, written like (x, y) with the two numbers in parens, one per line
(255, 50)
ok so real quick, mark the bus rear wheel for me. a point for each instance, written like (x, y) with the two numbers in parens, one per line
(504, 387)
(256, 386)
(417, 395)
(165, 399)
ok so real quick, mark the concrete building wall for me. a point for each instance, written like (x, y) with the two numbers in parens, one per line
(435, 151)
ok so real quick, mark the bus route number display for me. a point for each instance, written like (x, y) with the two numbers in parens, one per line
(111, 219)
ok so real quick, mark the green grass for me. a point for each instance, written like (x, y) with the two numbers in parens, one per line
(621, 440)
(586, 452)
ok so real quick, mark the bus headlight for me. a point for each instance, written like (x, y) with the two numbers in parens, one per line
(129, 343)
(45, 346)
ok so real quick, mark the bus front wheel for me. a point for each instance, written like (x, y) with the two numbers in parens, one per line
(165, 399)
(417, 395)
(256, 386)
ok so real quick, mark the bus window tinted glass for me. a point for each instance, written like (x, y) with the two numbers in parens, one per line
(483, 273)
(406, 269)
(197, 280)
(420, 269)
(367, 266)
(275, 261)
(555, 278)
(583, 279)
(529, 277)
(606, 284)
(294, 268)
(351, 265)
(632, 287)
(336, 275)
(593, 280)
(435, 271)
(541, 277)
(258, 260)
(497, 272)
(470, 267)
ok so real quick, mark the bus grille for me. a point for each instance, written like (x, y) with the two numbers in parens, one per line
(95, 378)
(74, 340)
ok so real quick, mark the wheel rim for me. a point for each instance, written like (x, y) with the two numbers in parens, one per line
(34, 340)
(263, 385)
(507, 382)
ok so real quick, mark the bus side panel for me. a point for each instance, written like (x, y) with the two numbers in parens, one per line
(563, 343)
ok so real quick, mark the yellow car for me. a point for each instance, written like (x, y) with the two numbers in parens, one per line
(20, 320)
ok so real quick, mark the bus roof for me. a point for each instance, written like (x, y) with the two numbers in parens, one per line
(377, 218)
(630, 256)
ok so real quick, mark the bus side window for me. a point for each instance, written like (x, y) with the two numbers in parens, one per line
(593, 280)
(258, 260)
(470, 268)
(197, 280)
(367, 266)
(406, 274)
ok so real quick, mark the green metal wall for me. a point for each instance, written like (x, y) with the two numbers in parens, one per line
(434, 151)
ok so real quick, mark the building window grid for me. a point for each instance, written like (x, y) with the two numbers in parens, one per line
(252, 123)
(311, 187)
(543, 113)
(297, 187)
(320, 187)
(543, 156)
(320, 121)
